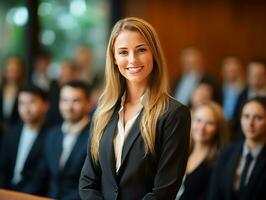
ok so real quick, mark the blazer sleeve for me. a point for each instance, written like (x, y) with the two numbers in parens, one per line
(90, 179)
(174, 134)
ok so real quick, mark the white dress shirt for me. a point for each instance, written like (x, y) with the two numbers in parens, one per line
(27, 138)
(71, 133)
(123, 131)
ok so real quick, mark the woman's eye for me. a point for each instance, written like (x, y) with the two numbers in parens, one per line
(142, 50)
(258, 117)
(122, 52)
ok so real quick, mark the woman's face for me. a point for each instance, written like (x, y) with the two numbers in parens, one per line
(13, 70)
(133, 57)
(253, 121)
(204, 125)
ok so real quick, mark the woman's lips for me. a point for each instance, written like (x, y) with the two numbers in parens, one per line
(134, 70)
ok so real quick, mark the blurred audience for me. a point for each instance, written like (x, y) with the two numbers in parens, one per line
(203, 93)
(256, 86)
(67, 73)
(66, 145)
(40, 75)
(13, 79)
(23, 143)
(241, 169)
(208, 134)
(233, 82)
(83, 57)
(193, 72)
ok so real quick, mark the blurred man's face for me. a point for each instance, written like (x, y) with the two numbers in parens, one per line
(191, 61)
(256, 76)
(31, 108)
(232, 71)
(74, 104)
(67, 73)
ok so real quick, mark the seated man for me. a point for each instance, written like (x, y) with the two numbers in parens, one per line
(66, 145)
(240, 172)
(22, 145)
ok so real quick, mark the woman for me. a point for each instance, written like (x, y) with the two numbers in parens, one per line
(13, 79)
(140, 136)
(208, 134)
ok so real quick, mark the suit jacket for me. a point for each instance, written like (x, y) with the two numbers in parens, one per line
(14, 116)
(63, 182)
(140, 177)
(196, 182)
(8, 159)
(223, 175)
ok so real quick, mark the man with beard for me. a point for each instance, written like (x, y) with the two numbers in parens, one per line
(66, 145)
(23, 143)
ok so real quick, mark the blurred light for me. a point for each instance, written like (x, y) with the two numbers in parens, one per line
(66, 21)
(45, 9)
(78, 7)
(47, 37)
(19, 16)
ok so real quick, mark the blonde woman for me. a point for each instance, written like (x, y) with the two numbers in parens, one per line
(209, 133)
(140, 137)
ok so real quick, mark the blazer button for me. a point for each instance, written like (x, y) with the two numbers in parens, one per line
(116, 190)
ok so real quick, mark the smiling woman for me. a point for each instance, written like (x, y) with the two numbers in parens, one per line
(140, 135)
(133, 57)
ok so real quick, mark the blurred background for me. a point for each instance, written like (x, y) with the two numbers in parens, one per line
(218, 28)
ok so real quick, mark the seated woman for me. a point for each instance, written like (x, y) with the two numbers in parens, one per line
(13, 79)
(208, 133)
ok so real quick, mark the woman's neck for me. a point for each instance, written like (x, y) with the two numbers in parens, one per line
(200, 149)
(134, 93)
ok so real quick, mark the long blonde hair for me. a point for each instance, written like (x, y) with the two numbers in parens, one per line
(115, 85)
(222, 132)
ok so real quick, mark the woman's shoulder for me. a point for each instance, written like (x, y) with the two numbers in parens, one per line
(175, 110)
(173, 105)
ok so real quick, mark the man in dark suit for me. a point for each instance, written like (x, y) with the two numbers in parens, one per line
(23, 143)
(240, 172)
(66, 145)
(193, 73)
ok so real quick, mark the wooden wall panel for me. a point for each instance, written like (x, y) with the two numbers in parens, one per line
(217, 27)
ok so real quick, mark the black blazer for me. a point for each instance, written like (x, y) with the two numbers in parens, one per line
(197, 182)
(140, 177)
(8, 159)
(14, 116)
(223, 175)
(63, 183)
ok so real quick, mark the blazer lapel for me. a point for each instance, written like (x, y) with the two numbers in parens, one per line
(231, 170)
(257, 171)
(57, 147)
(15, 143)
(35, 149)
(107, 147)
(77, 147)
(132, 135)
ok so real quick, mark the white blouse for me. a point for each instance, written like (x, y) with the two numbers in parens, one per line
(123, 131)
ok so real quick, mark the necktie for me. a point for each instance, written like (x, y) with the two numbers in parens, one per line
(244, 173)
